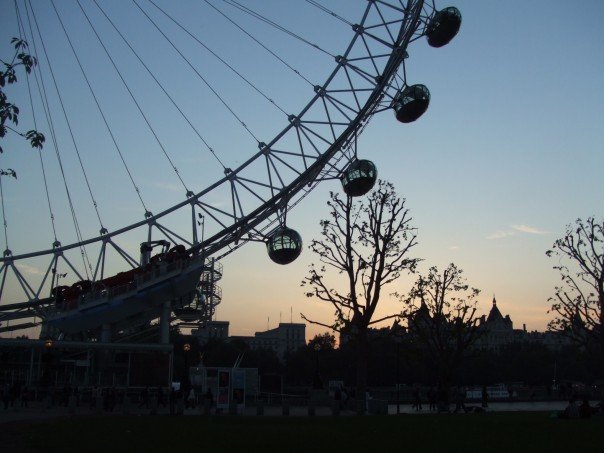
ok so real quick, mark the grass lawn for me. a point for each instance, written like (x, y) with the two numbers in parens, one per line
(512, 431)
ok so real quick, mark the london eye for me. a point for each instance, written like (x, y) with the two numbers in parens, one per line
(130, 96)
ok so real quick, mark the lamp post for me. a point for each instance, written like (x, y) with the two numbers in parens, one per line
(317, 384)
(185, 378)
(47, 358)
(398, 399)
(397, 340)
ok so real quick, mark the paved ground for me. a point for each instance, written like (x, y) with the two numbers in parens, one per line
(37, 411)
(523, 406)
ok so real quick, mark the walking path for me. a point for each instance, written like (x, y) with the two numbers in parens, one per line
(37, 410)
(516, 406)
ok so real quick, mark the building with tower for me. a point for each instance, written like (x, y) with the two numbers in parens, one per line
(497, 330)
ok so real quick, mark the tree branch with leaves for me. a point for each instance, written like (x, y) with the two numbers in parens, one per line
(577, 301)
(9, 112)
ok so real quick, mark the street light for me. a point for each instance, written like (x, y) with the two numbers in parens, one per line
(47, 358)
(398, 394)
(185, 378)
(317, 384)
(397, 339)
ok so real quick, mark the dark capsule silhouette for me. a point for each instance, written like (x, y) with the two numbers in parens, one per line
(411, 103)
(284, 245)
(443, 27)
(359, 177)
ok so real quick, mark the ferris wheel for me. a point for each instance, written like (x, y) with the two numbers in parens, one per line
(160, 261)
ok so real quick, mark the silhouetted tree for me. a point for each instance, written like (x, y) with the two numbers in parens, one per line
(442, 320)
(299, 366)
(322, 341)
(368, 242)
(577, 302)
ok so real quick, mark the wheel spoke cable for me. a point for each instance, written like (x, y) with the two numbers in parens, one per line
(4, 222)
(220, 98)
(179, 25)
(130, 93)
(328, 11)
(79, 236)
(273, 24)
(294, 70)
(159, 84)
(102, 113)
(77, 150)
(22, 34)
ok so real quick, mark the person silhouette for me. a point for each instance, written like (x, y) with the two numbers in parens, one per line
(417, 400)
(485, 396)
(585, 410)
(144, 398)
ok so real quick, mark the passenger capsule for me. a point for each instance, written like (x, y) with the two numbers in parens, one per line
(359, 177)
(188, 314)
(443, 27)
(411, 103)
(284, 246)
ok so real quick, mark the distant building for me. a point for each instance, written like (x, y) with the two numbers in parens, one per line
(420, 321)
(213, 330)
(498, 331)
(287, 337)
(551, 340)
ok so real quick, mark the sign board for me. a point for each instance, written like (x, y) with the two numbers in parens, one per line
(224, 381)
(493, 392)
(332, 386)
(238, 385)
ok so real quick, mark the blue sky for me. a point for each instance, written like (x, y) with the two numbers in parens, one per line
(509, 152)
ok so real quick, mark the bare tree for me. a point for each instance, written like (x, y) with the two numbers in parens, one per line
(368, 242)
(577, 302)
(442, 320)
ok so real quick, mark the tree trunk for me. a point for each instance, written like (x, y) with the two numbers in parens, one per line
(601, 327)
(362, 360)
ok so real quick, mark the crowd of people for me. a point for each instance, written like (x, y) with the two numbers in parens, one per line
(439, 399)
(107, 399)
(15, 394)
(583, 410)
(176, 400)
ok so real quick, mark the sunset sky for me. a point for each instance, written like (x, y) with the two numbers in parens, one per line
(510, 151)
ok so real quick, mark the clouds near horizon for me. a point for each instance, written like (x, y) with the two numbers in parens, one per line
(528, 229)
(516, 228)
(500, 234)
